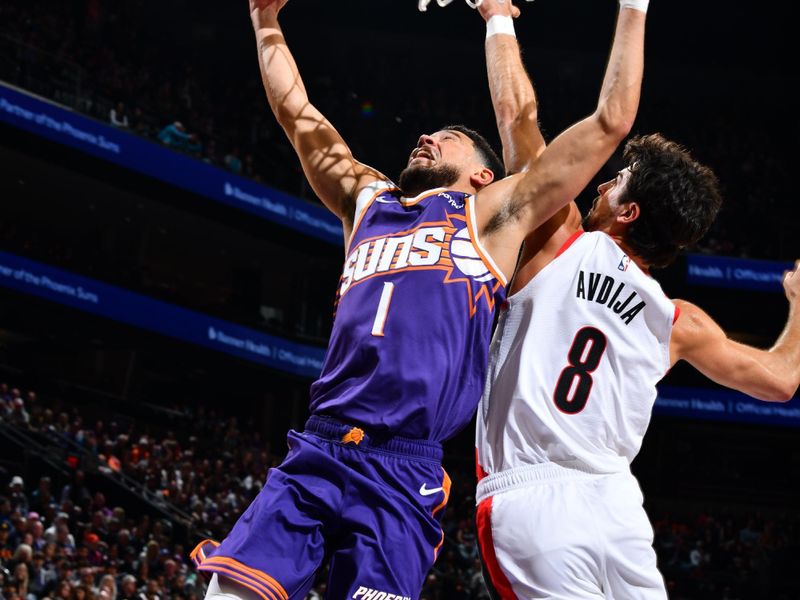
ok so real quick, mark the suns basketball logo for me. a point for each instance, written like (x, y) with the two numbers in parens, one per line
(466, 257)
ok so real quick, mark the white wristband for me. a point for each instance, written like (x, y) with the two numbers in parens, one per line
(500, 24)
(634, 4)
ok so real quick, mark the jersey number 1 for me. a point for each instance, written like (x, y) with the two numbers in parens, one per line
(581, 365)
(383, 309)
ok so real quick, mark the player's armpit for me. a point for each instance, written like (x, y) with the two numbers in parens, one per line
(697, 339)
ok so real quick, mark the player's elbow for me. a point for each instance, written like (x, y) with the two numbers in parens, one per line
(781, 390)
(615, 120)
(515, 111)
(787, 392)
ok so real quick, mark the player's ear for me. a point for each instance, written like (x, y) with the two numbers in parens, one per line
(482, 177)
(628, 213)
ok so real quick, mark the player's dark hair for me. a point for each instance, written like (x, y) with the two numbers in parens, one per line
(488, 156)
(678, 198)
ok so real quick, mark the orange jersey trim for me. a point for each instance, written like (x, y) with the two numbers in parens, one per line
(446, 483)
(199, 550)
(259, 576)
(438, 547)
(244, 580)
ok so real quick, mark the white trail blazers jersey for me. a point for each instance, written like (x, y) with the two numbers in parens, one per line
(574, 363)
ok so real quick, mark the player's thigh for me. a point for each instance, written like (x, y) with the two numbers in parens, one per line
(278, 543)
(540, 541)
(631, 569)
(391, 534)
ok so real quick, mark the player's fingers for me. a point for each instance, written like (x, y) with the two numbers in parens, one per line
(514, 12)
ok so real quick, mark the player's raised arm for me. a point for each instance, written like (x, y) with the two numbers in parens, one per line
(333, 173)
(772, 375)
(513, 98)
(523, 202)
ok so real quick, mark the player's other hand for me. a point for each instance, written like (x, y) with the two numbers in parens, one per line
(265, 10)
(791, 282)
(490, 8)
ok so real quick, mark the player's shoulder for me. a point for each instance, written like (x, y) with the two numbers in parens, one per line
(690, 319)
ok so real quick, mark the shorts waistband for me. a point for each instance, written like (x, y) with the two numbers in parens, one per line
(532, 474)
(329, 428)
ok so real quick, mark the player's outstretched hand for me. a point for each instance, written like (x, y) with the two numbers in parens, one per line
(265, 10)
(490, 8)
(791, 283)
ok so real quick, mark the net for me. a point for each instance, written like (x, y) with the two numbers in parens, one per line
(423, 4)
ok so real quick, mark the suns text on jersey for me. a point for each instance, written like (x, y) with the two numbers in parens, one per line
(603, 289)
(420, 248)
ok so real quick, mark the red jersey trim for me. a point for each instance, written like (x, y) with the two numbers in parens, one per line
(498, 579)
(570, 240)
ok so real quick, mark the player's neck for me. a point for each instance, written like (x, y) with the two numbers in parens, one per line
(620, 241)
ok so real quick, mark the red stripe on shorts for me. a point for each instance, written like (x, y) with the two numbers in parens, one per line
(499, 580)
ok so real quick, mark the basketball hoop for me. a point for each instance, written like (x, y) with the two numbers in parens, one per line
(423, 4)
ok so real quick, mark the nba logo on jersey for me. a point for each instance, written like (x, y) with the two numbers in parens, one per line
(624, 262)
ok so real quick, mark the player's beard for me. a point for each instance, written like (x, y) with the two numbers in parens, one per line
(415, 180)
(589, 222)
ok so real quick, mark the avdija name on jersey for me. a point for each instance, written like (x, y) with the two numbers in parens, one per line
(441, 245)
(589, 287)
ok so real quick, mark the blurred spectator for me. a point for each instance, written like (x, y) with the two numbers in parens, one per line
(107, 589)
(175, 136)
(118, 115)
(42, 497)
(128, 589)
(232, 161)
(16, 495)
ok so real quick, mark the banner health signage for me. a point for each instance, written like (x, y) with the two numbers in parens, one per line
(721, 271)
(725, 405)
(127, 150)
(141, 311)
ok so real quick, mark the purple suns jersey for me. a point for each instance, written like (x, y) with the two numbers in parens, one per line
(415, 307)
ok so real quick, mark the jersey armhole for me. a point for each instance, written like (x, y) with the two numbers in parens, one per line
(472, 226)
(363, 201)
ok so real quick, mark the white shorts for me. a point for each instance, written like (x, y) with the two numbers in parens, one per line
(551, 532)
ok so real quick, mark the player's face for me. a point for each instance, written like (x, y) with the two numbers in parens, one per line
(607, 204)
(443, 147)
(438, 160)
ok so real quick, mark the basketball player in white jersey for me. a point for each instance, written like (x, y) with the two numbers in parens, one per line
(585, 336)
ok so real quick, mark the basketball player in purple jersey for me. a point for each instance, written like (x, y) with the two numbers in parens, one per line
(426, 263)
(574, 362)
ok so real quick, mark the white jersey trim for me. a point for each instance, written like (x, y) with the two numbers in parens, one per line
(472, 225)
(421, 196)
(363, 201)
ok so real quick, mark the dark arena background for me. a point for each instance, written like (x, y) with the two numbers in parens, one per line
(167, 276)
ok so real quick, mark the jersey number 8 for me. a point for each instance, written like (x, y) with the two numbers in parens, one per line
(584, 357)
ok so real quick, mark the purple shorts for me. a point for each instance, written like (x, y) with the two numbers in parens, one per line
(371, 506)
